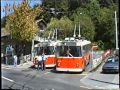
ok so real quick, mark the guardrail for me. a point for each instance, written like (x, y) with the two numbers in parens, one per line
(97, 61)
(27, 57)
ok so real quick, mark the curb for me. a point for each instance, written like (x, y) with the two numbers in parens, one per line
(104, 81)
(24, 65)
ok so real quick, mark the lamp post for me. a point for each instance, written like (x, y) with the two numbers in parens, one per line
(116, 31)
(32, 48)
(92, 58)
(79, 28)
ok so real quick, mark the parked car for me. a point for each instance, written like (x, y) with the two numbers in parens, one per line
(111, 65)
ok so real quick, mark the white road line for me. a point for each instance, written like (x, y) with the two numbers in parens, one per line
(7, 79)
(85, 87)
(46, 73)
(43, 74)
(6, 68)
(84, 74)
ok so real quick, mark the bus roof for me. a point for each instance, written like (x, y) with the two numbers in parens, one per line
(47, 43)
(74, 42)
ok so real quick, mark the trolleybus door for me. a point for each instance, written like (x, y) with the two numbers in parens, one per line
(86, 53)
(50, 50)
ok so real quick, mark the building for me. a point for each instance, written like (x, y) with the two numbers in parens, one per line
(41, 24)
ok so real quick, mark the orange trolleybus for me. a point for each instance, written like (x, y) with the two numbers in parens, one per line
(73, 54)
(48, 46)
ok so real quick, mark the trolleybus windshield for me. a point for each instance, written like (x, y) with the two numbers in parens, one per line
(73, 51)
(48, 50)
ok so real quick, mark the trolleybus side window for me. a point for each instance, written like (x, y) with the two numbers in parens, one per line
(86, 48)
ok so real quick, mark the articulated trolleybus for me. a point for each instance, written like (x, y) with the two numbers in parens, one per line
(48, 46)
(73, 54)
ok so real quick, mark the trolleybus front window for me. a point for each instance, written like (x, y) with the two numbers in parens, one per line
(47, 50)
(72, 51)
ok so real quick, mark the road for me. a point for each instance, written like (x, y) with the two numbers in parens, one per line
(41, 80)
(32, 79)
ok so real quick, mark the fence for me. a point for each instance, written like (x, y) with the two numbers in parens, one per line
(27, 57)
(97, 61)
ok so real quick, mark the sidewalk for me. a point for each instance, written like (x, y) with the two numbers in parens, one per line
(20, 66)
(106, 78)
(101, 81)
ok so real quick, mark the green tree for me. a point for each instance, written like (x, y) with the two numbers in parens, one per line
(107, 3)
(86, 24)
(21, 23)
(106, 30)
(3, 21)
(64, 25)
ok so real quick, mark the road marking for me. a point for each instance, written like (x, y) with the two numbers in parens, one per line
(84, 77)
(43, 74)
(84, 74)
(80, 74)
(6, 68)
(7, 79)
(46, 73)
(85, 87)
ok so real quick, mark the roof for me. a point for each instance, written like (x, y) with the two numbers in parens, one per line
(41, 20)
(75, 42)
(4, 32)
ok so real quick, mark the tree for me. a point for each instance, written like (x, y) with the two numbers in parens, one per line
(86, 24)
(106, 30)
(21, 23)
(107, 3)
(64, 25)
(3, 21)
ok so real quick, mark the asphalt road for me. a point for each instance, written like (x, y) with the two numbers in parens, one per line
(41, 80)
(32, 79)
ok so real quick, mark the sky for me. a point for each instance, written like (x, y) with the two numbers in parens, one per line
(3, 3)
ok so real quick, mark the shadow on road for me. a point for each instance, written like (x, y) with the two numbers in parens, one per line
(109, 72)
(64, 72)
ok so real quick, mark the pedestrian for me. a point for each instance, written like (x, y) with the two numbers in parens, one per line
(2, 56)
(15, 60)
(6, 59)
(43, 61)
(39, 59)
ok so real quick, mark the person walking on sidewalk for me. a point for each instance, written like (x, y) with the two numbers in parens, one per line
(15, 60)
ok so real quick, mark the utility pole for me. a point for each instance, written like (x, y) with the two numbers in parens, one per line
(116, 31)
(32, 50)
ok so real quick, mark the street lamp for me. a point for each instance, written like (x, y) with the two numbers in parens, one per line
(116, 31)
(79, 28)
(32, 48)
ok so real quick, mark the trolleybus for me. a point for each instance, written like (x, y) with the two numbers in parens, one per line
(73, 54)
(48, 46)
